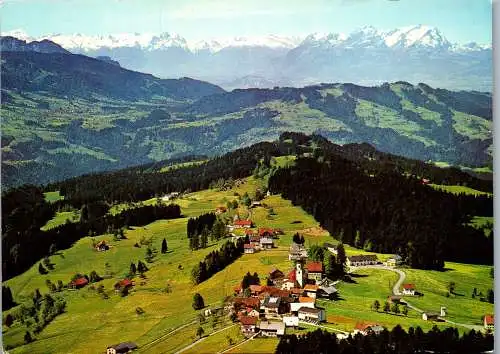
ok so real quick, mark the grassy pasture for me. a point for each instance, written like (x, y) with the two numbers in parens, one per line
(458, 189)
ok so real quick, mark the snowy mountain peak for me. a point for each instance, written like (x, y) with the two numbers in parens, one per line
(416, 36)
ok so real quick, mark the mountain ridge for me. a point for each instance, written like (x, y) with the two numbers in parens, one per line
(367, 56)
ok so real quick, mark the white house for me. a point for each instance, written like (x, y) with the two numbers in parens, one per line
(272, 329)
(124, 347)
(409, 289)
(361, 260)
(312, 314)
(295, 306)
(291, 321)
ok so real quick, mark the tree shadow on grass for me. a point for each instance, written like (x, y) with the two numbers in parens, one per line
(447, 269)
(354, 275)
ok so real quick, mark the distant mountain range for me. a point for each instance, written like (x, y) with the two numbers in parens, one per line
(69, 114)
(366, 56)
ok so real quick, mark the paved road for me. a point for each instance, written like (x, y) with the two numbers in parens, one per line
(395, 288)
(330, 328)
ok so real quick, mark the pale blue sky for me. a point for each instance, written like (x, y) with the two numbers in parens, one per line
(459, 20)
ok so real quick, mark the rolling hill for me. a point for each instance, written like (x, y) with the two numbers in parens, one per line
(66, 114)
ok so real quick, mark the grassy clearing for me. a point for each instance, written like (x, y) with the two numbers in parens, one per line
(115, 320)
(60, 218)
(461, 307)
(53, 196)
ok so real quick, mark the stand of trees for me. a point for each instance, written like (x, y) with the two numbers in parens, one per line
(397, 341)
(217, 260)
(388, 212)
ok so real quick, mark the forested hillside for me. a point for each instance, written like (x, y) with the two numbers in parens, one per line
(387, 211)
(365, 197)
(66, 115)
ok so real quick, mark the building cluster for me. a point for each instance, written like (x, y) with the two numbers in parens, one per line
(260, 239)
(268, 310)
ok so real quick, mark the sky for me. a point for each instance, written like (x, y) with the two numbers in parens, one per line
(459, 20)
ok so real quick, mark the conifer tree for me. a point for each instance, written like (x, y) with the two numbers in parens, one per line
(164, 247)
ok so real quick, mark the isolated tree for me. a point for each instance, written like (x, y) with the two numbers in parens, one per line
(376, 305)
(41, 269)
(7, 299)
(27, 337)
(395, 308)
(9, 320)
(405, 310)
(198, 302)
(490, 296)
(60, 285)
(149, 255)
(94, 277)
(474, 293)
(387, 307)
(141, 267)
(52, 249)
(133, 268)
(164, 247)
(451, 287)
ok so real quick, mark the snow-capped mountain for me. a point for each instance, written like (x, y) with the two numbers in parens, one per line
(414, 53)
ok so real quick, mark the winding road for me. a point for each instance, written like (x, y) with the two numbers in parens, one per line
(399, 283)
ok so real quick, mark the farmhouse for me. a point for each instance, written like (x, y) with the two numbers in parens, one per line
(326, 291)
(311, 290)
(297, 252)
(276, 274)
(125, 283)
(366, 329)
(78, 283)
(312, 314)
(272, 329)
(266, 243)
(245, 302)
(394, 261)
(271, 305)
(295, 306)
(361, 260)
(255, 289)
(489, 322)
(291, 321)
(266, 232)
(239, 224)
(430, 316)
(124, 347)
(255, 204)
(248, 324)
(220, 210)
(248, 248)
(408, 289)
(170, 196)
(315, 271)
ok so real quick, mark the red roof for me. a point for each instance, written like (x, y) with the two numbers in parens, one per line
(255, 288)
(249, 232)
(363, 326)
(489, 319)
(296, 291)
(247, 301)
(264, 230)
(292, 276)
(311, 287)
(247, 246)
(243, 222)
(409, 286)
(306, 299)
(125, 283)
(314, 267)
(248, 320)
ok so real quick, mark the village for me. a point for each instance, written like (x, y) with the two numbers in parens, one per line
(290, 297)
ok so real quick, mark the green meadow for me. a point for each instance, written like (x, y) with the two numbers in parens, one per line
(92, 323)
